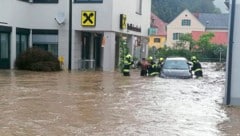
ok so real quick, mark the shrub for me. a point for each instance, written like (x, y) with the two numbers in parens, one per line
(214, 53)
(36, 59)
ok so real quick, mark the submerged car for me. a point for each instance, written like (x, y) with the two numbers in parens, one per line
(176, 67)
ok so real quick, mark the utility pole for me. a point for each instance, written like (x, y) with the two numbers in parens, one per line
(70, 36)
(230, 53)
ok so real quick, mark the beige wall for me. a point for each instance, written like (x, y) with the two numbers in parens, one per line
(160, 44)
(176, 27)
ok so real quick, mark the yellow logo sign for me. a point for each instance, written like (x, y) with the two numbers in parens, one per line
(88, 18)
(123, 21)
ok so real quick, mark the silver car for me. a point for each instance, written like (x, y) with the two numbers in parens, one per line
(176, 67)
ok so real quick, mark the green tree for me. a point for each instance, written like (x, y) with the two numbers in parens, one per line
(204, 42)
(187, 39)
(123, 51)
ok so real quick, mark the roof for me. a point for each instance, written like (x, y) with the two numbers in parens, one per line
(176, 58)
(213, 21)
(220, 38)
(159, 24)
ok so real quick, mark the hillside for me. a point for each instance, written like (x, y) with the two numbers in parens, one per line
(167, 10)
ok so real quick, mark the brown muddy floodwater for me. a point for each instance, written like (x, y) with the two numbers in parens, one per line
(91, 103)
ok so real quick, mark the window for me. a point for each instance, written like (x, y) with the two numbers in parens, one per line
(139, 7)
(88, 1)
(22, 40)
(157, 40)
(45, 1)
(4, 46)
(41, 1)
(46, 40)
(176, 36)
(53, 48)
(25, 0)
(22, 43)
(186, 22)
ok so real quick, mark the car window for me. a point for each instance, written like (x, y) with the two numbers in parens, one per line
(175, 64)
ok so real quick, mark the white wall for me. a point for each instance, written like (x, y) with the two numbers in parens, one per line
(235, 86)
(130, 9)
(103, 15)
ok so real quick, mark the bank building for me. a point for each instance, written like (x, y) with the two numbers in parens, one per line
(86, 33)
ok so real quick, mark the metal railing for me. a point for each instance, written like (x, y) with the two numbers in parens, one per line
(87, 64)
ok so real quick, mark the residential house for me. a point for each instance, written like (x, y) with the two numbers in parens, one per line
(157, 32)
(184, 23)
(215, 23)
(74, 30)
(197, 24)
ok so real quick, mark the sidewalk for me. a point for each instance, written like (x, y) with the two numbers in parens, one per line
(231, 127)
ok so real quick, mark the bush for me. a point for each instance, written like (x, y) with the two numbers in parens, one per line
(213, 53)
(36, 59)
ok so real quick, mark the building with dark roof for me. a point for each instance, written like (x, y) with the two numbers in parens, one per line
(214, 21)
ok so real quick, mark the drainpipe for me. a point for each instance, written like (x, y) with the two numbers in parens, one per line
(231, 31)
(70, 36)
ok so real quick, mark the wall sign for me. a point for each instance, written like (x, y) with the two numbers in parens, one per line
(123, 21)
(88, 18)
(134, 28)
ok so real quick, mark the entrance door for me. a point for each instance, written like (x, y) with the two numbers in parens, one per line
(97, 50)
(4, 51)
(86, 45)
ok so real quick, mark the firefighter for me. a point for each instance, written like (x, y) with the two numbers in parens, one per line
(127, 65)
(160, 63)
(196, 67)
(152, 68)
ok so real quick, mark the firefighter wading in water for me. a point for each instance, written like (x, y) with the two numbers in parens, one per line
(196, 67)
(127, 65)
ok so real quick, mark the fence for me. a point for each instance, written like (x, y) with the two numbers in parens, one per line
(87, 64)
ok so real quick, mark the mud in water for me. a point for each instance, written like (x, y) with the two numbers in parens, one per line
(92, 103)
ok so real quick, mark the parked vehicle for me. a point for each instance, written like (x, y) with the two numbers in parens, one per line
(176, 67)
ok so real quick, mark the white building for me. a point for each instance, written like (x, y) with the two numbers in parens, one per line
(46, 24)
(232, 93)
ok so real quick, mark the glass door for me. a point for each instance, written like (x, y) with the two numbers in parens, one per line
(4, 51)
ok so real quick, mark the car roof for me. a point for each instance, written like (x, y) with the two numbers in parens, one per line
(176, 58)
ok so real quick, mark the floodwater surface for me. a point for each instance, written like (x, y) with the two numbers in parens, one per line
(93, 103)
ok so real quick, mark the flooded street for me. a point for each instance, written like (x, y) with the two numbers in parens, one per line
(107, 104)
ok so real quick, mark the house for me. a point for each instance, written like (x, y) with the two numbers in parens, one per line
(74, 30)
(197, 24)
(220, 38)
(215, 23)
(157, 32)
(184, 23)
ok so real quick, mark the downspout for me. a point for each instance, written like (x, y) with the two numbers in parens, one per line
(70, 36)
(229, 77)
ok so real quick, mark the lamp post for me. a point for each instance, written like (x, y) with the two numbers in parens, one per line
(70, 36)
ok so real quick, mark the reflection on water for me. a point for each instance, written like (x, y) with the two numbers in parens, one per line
(102, 103)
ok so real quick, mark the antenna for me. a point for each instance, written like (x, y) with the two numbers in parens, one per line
(60, 18)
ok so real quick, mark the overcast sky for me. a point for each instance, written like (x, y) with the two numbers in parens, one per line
(220, 4)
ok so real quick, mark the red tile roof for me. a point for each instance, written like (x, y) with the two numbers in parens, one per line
(219, 37)
(159, 24)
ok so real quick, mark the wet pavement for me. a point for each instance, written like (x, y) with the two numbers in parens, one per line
(107, 104)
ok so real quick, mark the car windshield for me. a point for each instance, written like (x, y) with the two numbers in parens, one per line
(175, 64)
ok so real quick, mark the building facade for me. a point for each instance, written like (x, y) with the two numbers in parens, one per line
(184, 23)
(157, 32)
(86, 32)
